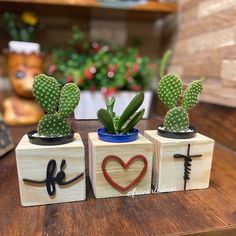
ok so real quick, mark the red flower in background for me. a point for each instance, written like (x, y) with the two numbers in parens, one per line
(136, 87)
(52, 68)
(130, 79)
(112, 68)
(93, 88)
(108, 91)
(69, 79)
(96, 47)
(136, 68)
(88, 74)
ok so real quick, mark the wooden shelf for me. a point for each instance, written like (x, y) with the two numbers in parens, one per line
(150, 6)
(178, 213)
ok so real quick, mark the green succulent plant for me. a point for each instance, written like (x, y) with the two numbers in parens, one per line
(126, 121)
(170, 90)
(57, 103)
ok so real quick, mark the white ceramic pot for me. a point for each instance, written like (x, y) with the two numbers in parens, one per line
(23, 47)
(91, 102)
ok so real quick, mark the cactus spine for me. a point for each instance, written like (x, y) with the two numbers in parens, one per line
(169, 91)
(57, 104)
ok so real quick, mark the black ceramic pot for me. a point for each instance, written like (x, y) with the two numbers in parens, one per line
(48, 141)
(176, 135)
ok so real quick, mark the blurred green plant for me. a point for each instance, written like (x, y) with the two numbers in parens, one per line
(98, 66)
(20, 28)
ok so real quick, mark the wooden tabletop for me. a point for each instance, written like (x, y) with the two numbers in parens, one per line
(176, 213)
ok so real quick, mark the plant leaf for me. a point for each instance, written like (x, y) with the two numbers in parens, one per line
(133, 121)
(46, 91)
(106, 120)
(164, 62)
(69, 99)
(190, 98)
(133, 106)
(110, 105)
(169, 90)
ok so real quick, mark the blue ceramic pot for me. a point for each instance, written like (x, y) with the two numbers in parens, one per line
(117, 138)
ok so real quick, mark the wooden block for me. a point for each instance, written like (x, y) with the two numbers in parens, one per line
(107, 175)
(33, 162)
(169, 171)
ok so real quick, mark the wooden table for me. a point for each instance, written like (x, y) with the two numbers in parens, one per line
(176, 213)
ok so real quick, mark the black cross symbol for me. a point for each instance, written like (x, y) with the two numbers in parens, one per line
(187, 164)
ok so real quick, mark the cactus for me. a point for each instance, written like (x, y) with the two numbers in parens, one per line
(57, 104)
(46, 91)
(129, 118)
(169, 91)
(176, 119)
(191, 94)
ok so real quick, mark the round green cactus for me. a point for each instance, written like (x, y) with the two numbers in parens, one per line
(176, 119)
(69, 99)
(190, 98)
(169, 90)
(46, 91)
(53, 125)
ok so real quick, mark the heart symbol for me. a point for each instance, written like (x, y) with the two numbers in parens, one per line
(125, 166)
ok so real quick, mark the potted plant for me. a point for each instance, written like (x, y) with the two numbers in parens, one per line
(101, 71)
(120, 159)
(24, 61)
(22, 30)
(53, 145)
(182, 157)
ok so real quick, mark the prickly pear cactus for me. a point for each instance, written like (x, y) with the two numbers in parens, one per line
(46, 91)
(69, 99)
(169, 91)
(53, 125)
(176, 119)
(191, 94)
(57, 104)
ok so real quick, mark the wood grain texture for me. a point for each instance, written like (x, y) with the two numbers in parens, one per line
(32, 161)
(99, 150)
(176, 213)
(168, 171)
(206, 36)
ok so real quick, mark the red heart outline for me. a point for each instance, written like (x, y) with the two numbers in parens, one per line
(125, 167)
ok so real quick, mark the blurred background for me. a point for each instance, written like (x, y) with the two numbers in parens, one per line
(117, 48)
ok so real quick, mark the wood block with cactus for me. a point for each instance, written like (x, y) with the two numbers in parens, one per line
(50, 161)
(182, 157)
(120, 159)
